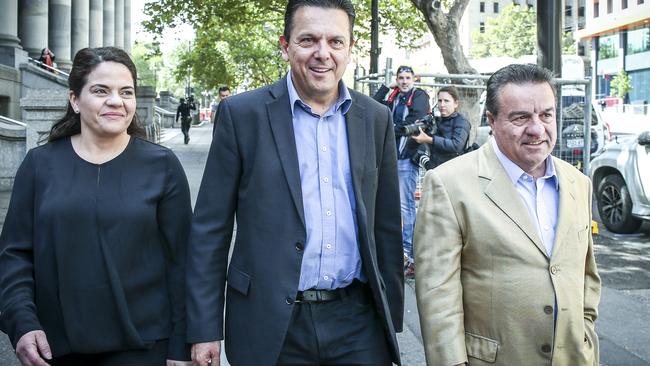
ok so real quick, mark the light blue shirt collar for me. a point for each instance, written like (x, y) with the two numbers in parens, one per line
(342, 103)
(515, 172)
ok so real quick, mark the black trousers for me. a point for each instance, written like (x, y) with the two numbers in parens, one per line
(339, 332)
(155, 356)
(185, 127)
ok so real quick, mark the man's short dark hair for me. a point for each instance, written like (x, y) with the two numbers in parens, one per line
(515, 74)
(294, 5)
(405, 68)
(223, 89)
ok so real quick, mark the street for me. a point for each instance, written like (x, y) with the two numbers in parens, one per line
(623, 260)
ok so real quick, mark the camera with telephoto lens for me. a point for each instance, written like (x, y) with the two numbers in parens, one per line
(421, 156)
(428, 124)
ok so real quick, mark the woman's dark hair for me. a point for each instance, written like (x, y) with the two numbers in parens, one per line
(85, 61)
(451, 90)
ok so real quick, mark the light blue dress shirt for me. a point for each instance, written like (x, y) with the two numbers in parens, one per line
(331, 258)
(540, 196)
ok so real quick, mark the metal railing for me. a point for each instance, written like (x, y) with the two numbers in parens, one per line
(51, 69)
(12, 121)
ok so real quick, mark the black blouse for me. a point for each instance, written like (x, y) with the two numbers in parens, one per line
(94, 254)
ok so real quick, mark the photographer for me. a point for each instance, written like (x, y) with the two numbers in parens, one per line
(452, 131)
(408, 104)
(184, 110)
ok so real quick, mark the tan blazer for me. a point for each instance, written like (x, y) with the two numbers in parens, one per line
(486, 289)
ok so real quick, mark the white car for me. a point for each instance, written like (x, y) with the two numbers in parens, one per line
(621, 180)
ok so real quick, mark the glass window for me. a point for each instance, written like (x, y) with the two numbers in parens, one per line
(640, 92)
(481, 6)
(496, 8)
(623, 4)
(608, 47)
(610, 6)
(481, 27)
(596, 6)
(639, 2)
(638, 41)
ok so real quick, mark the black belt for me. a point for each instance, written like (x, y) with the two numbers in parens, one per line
(329, 295)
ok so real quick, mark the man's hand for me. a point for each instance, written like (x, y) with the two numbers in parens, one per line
(32, 349)
(422, 137)
(178, 363)
(208, 353)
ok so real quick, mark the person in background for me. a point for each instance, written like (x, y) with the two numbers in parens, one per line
(307, 167)
(47, 59)
(408, 104)
(452, 133)
(184, 111)
(224, 92)
(506, 269)
(92, 252)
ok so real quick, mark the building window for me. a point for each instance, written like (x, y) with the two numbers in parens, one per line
(623, 4)
(581, 11)
(481, 27)
(638, 41)
(567, 11)
(639, 2)
(496, 8)
(596, 7)
(640, 92)
(608, 47)
(610, 6)
(481, 6)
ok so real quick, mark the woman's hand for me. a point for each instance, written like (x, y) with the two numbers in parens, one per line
(32, 349)
(422, 138)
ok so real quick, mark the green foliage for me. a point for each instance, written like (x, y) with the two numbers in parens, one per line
(513, 33)
(147, 59)
(237, 41)
(621, 84)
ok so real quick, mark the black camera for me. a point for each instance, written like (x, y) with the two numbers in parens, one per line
(428, 124)
(421, 156)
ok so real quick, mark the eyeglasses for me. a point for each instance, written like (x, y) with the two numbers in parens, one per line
(402, 69)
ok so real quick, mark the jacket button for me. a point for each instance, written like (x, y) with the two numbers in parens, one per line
(548, 309)
(554, 269)
(299, 247)
(289, 301)
(546, 348)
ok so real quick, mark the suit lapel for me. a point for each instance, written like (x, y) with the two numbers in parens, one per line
(357, 132)
(281, 121)
(500, 190)
(567, 204)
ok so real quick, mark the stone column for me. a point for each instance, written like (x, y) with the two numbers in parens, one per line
(32, 26)
(109, 23)
(96, 26)
(127, 26)
(60, 12)
(9, 24)
(119, 23)
(80, 36)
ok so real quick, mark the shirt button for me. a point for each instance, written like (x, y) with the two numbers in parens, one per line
(548, 309)
(546, 348)
(326, 278)
(326, 179)
(324, 148)
(328, 246)
(328, 213)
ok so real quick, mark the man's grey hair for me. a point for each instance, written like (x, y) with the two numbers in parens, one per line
(515, 74)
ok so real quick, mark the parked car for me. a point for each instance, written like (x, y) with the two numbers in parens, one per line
(621, 181)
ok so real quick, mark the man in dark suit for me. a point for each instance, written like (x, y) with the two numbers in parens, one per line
(308, 169)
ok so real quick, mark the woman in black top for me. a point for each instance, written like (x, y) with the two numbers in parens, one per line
(452, 133)
(92, 253)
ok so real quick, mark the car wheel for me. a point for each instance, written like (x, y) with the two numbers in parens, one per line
(615, 206)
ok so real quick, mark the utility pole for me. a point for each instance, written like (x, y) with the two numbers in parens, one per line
(549, 35)
(374, 42)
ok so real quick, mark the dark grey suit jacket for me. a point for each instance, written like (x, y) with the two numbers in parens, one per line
(252, 176)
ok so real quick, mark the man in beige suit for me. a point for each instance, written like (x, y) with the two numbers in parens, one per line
(506, 271)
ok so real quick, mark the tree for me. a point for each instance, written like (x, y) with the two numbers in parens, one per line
(513, 33)
(621, 84)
